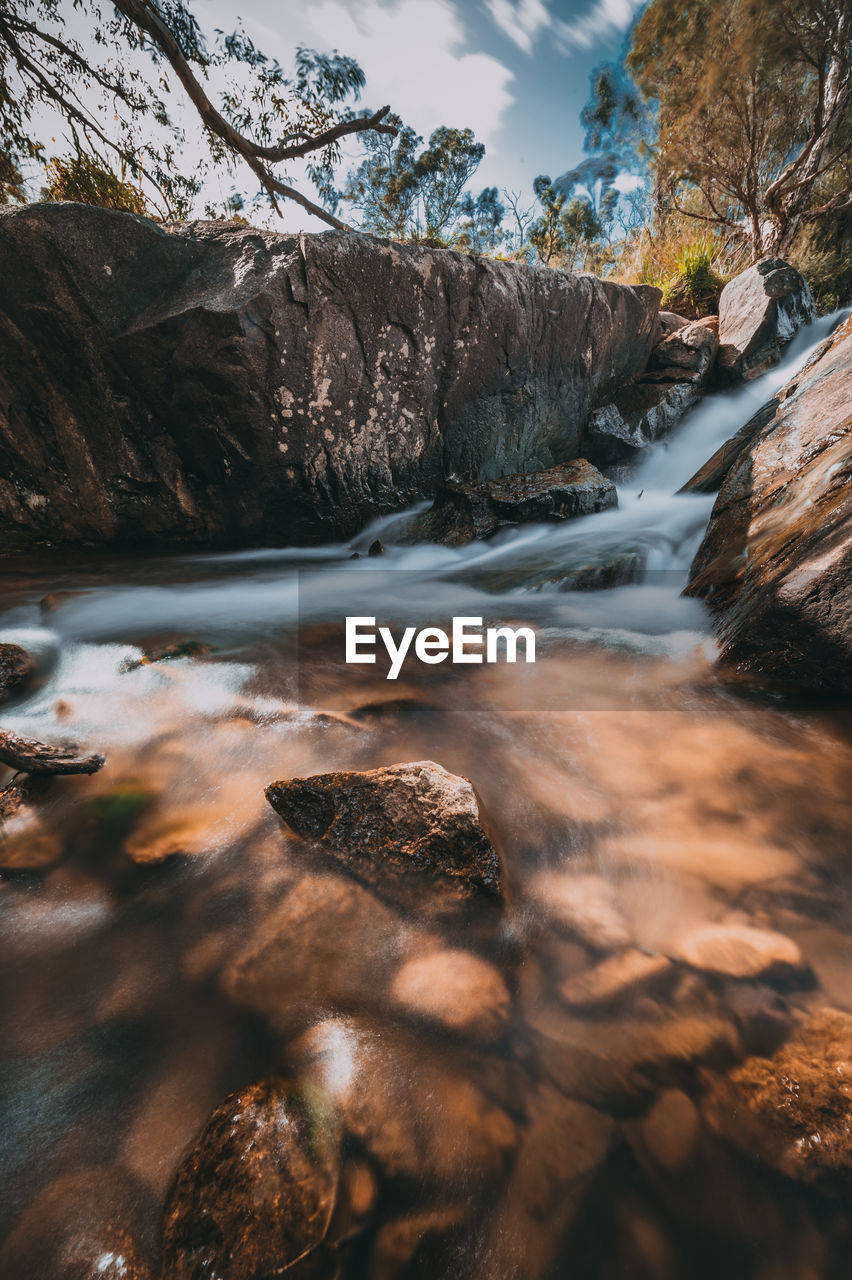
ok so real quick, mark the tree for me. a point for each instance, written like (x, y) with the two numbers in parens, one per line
(264, 119)
(522, 216)
(401, 193)
(482, 229)
(80, 178)
(754, 110)
(547, 234)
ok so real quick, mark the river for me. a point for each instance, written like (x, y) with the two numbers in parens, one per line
(621, 757)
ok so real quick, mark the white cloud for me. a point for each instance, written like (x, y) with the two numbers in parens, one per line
(520, 20)
(627, 182)
(604, 18)
(411, 52)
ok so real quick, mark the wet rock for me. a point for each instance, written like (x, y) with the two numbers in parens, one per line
(258, 1190)
(792, 1111)
(709, 477)
(775, 565)
(457, 990)
(759, 312)
(564, 1146)
(616, 980)
(300, 384)
(417, 1117)
(169, 652)
(741, 951)
(17, 668)
(583, 906)
(687, 355)
(464, 511)
(400, 829)
(639, 416)
(670, 1132)
(412, 1242)
(40, 758)
(329, 944)
(87, 1225)
(376, 549)
(619, 1063)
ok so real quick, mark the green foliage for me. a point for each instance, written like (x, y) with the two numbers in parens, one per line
(823, 254)
(83, 179)
(566, 232)
(12, 189)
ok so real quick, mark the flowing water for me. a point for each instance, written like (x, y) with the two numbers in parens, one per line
(152, 961)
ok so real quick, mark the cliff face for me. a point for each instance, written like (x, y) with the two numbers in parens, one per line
(776, 562)
(207, 383)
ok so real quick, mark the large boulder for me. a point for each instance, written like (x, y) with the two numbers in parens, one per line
(638, 416)
(208, 382)
(759, 312)
(464, 511)
(413, 832)
(776, 562)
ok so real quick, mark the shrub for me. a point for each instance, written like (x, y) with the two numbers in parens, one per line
(87, 181)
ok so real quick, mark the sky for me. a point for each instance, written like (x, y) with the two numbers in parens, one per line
(515, 71)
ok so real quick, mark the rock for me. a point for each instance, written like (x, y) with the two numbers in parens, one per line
(639, 416)
(17, 668)
(87, 1225)
(670, 322)
(775, 565)
(615, 980)
(687, 355)
(417, 1117)
(709, 477)
(741, 951)
(456, 990)
(400, 829)
(671, 1130)
(562, 1150)
(328, 944)
(619, 1063)
(582, 905)
(258, 1190)
(168, 652)
(43, 759)
(27, 841)
(376, 549)
(405, 1243)
(759, 312)
(463, 511)
(792, 1111)
(209, 382)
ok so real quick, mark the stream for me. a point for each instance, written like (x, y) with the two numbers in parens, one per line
(145, 976)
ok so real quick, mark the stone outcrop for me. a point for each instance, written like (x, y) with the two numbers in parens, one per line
(412, 832)
(760, 310)
(638, 416)
(687, 355)
(209, 383)
(775, 565)
(462, 512)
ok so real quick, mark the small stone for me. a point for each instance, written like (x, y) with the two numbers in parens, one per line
(17, 668)
(582, 905)
(620, 976)
(376, 549)
(671, 1130)
(412, 831)
(457, 990)
(741, 951)
(258, 1190)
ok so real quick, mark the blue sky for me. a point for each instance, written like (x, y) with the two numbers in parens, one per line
(516, 71)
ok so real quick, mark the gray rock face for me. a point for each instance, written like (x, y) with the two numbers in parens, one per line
(208, 383)
(776, 562)
(463, 512)
(759, 312)
(687, 355)
(638, 416)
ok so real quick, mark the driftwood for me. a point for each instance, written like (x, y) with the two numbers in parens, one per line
(39, 758)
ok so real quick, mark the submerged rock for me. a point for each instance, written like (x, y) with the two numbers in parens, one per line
(639, 416)
(583, 906)
(207, 382)
(17, 668)
(792, 1111)
(87, 1225)
(463, 511)
(741, 951)
(759, 312)
(616, 979)
(456, 990)
(258, 1190)
(775, 565)
(411, 831)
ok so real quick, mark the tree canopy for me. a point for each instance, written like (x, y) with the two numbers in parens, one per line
(754, 120)
(116, 113)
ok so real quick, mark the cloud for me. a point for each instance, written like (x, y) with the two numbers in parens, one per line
(627, 182)
(412, 54)
(603, 19)
(520, 20)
